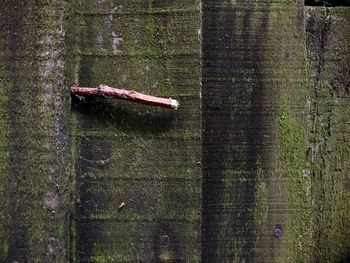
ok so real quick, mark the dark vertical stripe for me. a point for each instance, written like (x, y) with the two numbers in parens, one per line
(232, 129)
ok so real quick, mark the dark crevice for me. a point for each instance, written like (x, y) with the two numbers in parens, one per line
(328, 3)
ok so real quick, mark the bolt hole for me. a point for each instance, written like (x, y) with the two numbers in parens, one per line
(277, 232)
(164, 240)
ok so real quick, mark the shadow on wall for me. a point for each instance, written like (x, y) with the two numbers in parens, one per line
(117, 113)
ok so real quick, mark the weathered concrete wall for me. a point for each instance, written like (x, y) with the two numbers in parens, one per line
(34, 114)
(254, 132)
(328, 46)
(148, 158)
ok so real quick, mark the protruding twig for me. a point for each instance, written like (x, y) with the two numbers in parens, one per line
(134, 96)
(123, 204)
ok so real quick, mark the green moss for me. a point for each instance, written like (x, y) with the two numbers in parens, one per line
(291, 142)
(4, 249)
(330, 196)
(285, 67)
(329, 114)
(291, 148)
(152, 152)
(34, 110)
(166, 256)
(98, 256)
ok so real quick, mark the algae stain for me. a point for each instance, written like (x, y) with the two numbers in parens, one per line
(4, 250)
(291, 140)
(97, 255)
(291, 149)
(165, 256)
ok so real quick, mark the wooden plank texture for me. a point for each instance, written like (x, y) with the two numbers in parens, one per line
(143, 156)
(34, 138)
(260, 141)
(328, 46)
(254, 132)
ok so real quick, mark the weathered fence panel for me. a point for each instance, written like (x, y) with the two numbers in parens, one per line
(328, 46)
(147, 158)
(252, 167)
(34, 137)
(254, 132)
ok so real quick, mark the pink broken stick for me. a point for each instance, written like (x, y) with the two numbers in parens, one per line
(130, 95)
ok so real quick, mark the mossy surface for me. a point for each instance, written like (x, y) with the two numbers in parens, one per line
(145, 157)
(294, 172)
(254, 121)
(291, 192)
(100, 180)
(34, 138)
(328, 42)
